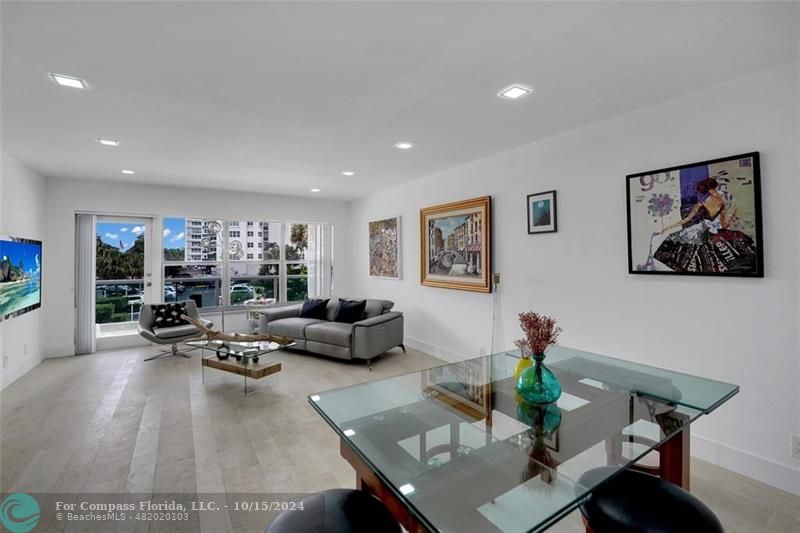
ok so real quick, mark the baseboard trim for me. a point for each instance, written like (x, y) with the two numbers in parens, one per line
(761, 469)
(437, 351)
(12, 374)
(116, 342)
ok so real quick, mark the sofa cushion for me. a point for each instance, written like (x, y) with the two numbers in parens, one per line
(291, 327)
(330, 310)
(337, 333)
(175, 331)
(377, 307)
(331, 350)
(314, 309)
(350, 311)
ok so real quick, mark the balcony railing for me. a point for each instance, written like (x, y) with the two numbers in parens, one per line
(118, 300)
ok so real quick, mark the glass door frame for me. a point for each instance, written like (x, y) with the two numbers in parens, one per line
(149, 284)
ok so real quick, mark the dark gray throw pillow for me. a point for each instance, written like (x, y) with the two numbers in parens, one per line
(350, 311)
(314, 309)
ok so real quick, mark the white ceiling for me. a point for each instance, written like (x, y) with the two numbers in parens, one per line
(281, 97)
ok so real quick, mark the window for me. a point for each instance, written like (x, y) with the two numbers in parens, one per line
(192, 263)
(249, 233)
(201, 283)
(296, 271)
(287, 267)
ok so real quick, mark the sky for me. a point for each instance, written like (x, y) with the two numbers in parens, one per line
(29, 254)
(122, 235)
(448, 224)
(173, 232)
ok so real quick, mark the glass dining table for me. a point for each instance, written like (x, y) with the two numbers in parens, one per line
(455, 448)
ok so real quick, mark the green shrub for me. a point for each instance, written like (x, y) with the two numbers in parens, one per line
(121, 317)
(103, 312)
(296, 289)
(120, 303)
(238, 297)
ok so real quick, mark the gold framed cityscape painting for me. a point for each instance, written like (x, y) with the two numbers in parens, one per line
(384, 248)
(456, 245)
(701, 219)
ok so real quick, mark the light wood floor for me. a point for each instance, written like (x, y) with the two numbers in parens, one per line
(111, 423)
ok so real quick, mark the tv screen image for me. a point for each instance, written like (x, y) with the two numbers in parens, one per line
(20, 276)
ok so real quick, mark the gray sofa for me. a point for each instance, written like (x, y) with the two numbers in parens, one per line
(380, 330)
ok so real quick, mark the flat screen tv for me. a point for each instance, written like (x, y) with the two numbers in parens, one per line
(20, 276)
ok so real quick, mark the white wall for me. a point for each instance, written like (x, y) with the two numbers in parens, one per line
(737, 330)
(21, 215)
(64, 197)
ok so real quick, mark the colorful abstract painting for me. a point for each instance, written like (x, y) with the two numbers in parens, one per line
(702, 219)
(384, 248)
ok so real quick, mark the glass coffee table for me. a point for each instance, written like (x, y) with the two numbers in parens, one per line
(243, 358)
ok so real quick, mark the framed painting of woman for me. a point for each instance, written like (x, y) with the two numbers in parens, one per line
(697, 219)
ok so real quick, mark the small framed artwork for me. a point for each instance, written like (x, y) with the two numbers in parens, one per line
(456, 245)
(542, 212)
(701, 219)
(385, 248)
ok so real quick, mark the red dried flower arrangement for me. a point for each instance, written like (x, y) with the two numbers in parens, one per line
(541, 332)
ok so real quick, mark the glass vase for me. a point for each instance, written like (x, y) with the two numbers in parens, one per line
(522, 364)
(537, 384)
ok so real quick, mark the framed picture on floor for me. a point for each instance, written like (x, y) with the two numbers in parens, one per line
(697, 219)
(456, 245)
(384, 248)
(542, 212)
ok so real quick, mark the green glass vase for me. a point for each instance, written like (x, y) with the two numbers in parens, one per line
(537, 384)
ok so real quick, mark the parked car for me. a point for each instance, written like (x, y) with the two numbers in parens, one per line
(242, 287)
(170, 295)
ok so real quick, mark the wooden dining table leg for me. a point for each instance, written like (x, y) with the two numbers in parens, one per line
(368, 481)
(675, 459)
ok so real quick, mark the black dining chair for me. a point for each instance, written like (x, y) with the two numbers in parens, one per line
(337, 511)
(635, 502)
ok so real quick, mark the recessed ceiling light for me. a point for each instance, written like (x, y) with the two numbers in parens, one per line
(348, 173)
(404, 145)
(515, 91)
(315, 398)
(349, 432)
(128, 172)
(315, 190)
(108, 142)
(68, 81)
